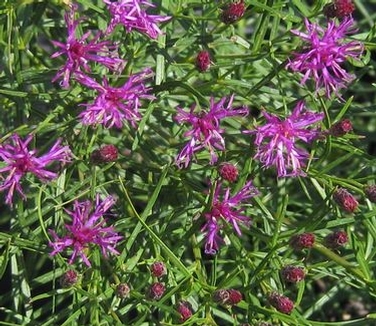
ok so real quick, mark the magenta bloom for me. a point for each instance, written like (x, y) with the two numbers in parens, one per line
(113, 105)
(225, 210)
(80, 51)
(87, 229)
(19, 160)
(205, 132)
(276, 140)
(132, 14)
(323, 54)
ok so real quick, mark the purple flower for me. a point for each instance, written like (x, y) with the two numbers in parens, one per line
(213, 239)
(19, 160)
(205, 132)
(132, 14)
(80, 51)
(324, 53)
(113, 105)
(226, 209)
(87, 229)
(276, 140)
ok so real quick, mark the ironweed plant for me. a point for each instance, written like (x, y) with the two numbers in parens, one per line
(187, 162)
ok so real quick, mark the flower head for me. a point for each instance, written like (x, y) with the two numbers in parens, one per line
(205, 132)
(156, 291)
(114, 105)
(19, 161)
(203, 61)
(79, 51)
(345, 200)
(302, 241)
(336, 239)
(281, 303)
(233, 12)
(292, 274)
(184, 308)
(324, 53)
(87, 229)
(276, 140)
(226, 209)
(158, 269)
(228, 172)
(132, 15)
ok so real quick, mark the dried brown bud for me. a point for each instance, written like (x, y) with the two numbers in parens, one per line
(336, 239)
(105, 154)
(341, 128)
(123, 290)
(371, 193)
(339, 9)
(69, 279)
(228, 297)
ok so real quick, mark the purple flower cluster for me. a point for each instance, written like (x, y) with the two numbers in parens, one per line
(19, 161)
(79, 51)
(225, 209)
(324, 52)
(87, 229)
(114, 105)
(276, 140)
(133, 16)
(205, 130)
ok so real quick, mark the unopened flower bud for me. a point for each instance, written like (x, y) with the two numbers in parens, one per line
(158, 269)
(156, 291)
(105, 154)
(292, 274)
(184, 308)
(341, 128)
(233, 12)
(281, 303)
(228, 172)
(203, 61)
(228, 297)
(339, 9)
(371, 193)
(345, 200)
(123, 290)
(336, 239)
(69, 279)
(302, 241)
(235, 297)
